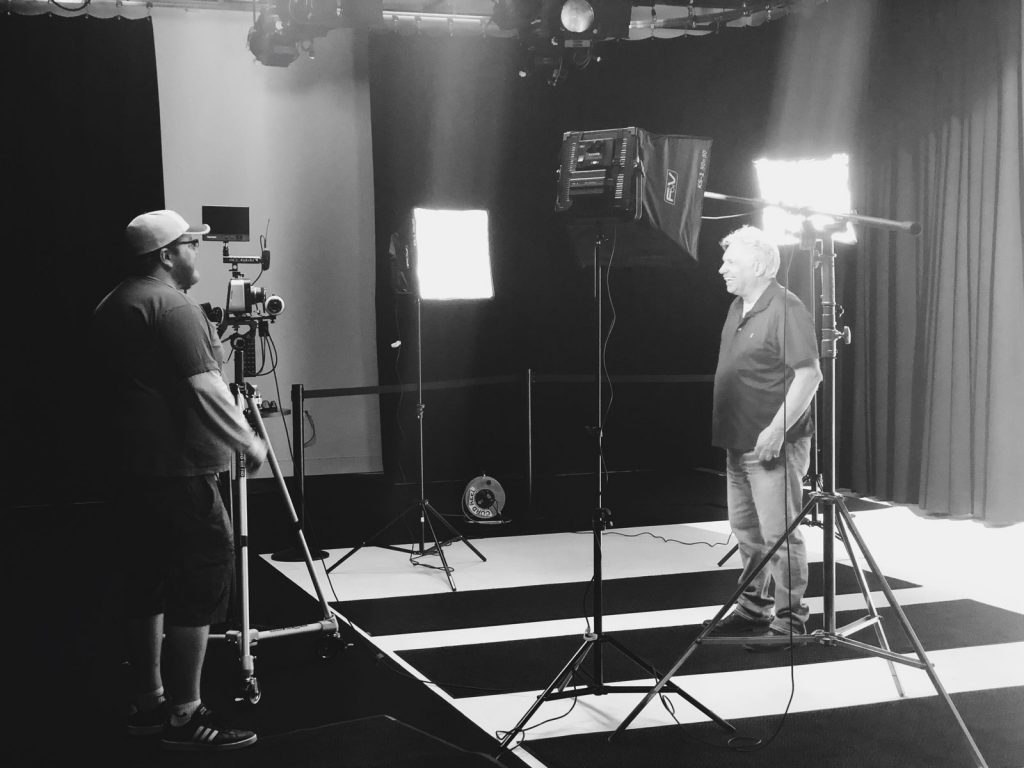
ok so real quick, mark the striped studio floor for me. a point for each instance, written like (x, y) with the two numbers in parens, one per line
(493, 645)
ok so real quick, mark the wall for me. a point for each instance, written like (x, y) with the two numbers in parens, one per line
(293, 145)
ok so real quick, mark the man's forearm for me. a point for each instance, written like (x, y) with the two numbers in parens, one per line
(798, 396)
(220, 413)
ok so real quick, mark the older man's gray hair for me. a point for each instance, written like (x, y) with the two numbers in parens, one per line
(764, 249)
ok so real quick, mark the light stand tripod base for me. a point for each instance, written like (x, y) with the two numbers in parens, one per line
(593, 645)
(427, 516)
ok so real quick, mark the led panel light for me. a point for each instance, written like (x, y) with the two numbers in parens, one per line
(817, 184)
(452, 254)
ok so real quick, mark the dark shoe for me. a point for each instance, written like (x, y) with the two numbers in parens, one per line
(781, 642)
(734, 624)
(204, 732)
(148, 723)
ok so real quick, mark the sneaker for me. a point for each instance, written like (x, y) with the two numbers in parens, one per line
(204, 732)
(735, 624)
(149, 722)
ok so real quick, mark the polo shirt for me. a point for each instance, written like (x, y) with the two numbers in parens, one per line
(758, 354)
(150, 338)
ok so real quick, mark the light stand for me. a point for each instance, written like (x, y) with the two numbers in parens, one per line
(594, 641)
(427, 514)
(835, 518)
(246, 636)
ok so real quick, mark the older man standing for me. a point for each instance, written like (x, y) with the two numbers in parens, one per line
(177, 426)
(765, 381)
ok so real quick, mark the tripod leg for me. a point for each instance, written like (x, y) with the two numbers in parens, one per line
(559, 681)
(439, 547)
(369, 542)
(912, 636)
(246, 658)
(669, 685)
(702, 637)
(456, 536)
(872, 611)
(276, 468)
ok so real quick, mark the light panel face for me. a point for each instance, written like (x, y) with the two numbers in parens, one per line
(453, 259)
(822, 185)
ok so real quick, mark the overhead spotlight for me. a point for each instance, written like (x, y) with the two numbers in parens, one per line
(578, 23)
(577, 16)
(270, 41)
(286, 26)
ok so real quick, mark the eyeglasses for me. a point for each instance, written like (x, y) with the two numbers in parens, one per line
(193, 242)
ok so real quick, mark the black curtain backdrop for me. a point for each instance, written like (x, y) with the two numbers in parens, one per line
(80, 152)
(935, 409)
(454, 125)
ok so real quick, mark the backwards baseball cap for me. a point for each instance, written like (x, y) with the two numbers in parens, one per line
(149, 231)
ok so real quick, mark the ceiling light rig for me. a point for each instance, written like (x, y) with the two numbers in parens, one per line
(556, 35)
(286, 27)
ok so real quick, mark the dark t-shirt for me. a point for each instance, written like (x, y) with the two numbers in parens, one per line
(150, 338)
(756, 360)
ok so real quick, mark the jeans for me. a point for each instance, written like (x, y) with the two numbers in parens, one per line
(763, 499)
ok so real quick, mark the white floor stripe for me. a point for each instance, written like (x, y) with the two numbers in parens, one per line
(751, 693)
(624, 622)
(952, 559)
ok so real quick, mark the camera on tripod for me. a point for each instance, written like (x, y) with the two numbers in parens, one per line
(245, 302)
(244, 298)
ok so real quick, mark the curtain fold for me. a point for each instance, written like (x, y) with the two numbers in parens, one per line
(80, 156)
(937, 415)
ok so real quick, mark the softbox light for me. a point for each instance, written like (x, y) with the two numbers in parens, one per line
(645, 189)
(821, 184)
(451, 254)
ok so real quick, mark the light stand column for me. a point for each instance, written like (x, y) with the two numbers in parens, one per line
(593, 641)
(427, 514)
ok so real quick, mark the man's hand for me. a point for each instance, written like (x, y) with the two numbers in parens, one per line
(769, 443)
(255, 454)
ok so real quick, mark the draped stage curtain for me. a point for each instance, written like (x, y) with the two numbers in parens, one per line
(80, 155)
(937, 413)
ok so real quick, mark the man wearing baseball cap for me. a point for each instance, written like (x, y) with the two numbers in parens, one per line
(177, 427)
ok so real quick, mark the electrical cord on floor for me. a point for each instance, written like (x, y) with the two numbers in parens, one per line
(672, 541)
(499, 735)
(661, 538)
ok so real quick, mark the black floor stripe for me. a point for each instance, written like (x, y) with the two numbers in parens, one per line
(522, 665)
(910, 733)
(482, 608)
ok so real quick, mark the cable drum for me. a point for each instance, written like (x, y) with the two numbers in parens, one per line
(483, 500)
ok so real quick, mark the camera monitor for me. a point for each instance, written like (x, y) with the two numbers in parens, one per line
(226, 223)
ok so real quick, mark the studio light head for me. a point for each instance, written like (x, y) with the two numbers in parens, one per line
(451, 254)
(287, 26)
(271, 42)
(821, 184)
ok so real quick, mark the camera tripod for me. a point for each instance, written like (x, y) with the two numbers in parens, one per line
(246, 637)
(594, 641)
(426, 512)
(836, 519)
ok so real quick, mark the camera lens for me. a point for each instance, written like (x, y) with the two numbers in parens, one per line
(274, 305)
